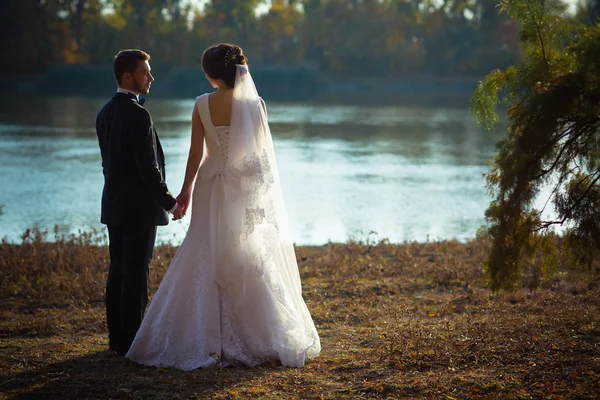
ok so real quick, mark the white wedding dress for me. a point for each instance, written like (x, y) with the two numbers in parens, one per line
(232, 293)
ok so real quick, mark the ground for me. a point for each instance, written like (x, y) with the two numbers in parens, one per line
(395, 320)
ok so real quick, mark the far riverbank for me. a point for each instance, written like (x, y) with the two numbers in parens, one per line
(295, 83)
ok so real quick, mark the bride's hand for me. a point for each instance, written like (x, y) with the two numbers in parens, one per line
(184, 199)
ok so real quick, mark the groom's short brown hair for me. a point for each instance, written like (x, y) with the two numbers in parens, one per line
(127, 61)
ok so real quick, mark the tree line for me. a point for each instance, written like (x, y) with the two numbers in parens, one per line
(391, 38)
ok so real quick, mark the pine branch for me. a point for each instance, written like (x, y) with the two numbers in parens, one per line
(562, 150)
(539, 33)
(557, 187)
(547, 224)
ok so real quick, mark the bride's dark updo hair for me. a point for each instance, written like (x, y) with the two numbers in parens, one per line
(219, 61)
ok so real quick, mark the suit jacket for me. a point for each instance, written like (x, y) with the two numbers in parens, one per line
(135, 191)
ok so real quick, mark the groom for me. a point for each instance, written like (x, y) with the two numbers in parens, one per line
(135, 198)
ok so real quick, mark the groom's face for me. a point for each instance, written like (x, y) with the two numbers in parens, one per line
(142, 78)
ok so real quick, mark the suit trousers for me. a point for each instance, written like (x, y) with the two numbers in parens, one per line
(131, 249)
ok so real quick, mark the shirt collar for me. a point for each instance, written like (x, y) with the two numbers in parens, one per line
(127, 91)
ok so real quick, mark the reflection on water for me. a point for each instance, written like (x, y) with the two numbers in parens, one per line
(408, 173)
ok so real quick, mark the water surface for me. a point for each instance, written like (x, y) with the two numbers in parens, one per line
(405, 172)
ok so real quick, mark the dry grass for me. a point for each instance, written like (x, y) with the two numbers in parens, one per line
(396, 321)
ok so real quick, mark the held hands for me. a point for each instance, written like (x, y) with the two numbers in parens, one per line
(183, 202)
(179, 212)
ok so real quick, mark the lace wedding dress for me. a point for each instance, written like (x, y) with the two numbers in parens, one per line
(232, 293)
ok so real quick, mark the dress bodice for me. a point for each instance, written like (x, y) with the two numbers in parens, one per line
(216, 141)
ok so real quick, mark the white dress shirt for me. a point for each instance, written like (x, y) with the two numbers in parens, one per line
(127, 91)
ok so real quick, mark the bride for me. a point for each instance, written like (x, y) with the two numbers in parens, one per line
(232, 294)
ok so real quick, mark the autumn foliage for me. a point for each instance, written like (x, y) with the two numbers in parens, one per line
(366, 38)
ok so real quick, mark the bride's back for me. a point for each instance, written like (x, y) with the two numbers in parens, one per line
(219, 106)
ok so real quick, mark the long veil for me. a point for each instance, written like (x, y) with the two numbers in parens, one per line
(254, 251)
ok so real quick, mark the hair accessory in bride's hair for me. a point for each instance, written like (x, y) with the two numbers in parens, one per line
(229, 56)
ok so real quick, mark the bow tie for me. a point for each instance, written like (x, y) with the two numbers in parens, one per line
(140, 100)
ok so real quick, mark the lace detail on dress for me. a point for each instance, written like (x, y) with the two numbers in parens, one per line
(258, 179)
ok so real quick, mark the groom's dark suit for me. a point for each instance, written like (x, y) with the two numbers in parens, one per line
(135, 200)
